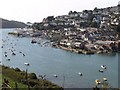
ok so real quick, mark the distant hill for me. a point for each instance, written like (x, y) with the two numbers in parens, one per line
(11, 24)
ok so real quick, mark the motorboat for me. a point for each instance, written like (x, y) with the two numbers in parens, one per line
(103, 66)
(81, 74)
(97, 81)
(27, 64)
(101, 71)
(55, 76)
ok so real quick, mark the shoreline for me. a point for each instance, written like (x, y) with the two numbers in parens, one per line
(85, 52)
(72, 50)
(67, 48)
(76, 51)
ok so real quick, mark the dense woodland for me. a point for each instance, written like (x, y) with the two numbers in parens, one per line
(11, 24)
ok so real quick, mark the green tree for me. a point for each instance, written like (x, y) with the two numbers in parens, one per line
(94, 24)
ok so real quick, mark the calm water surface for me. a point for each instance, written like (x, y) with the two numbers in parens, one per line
(49, 61)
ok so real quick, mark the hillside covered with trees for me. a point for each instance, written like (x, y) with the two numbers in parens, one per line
(11, 24)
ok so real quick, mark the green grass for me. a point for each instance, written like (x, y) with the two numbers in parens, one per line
(12, 83)
(0, 80)
(16, 75)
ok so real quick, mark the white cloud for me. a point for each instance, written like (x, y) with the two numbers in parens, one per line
(36, 10)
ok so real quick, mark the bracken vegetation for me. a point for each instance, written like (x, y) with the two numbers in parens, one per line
(15, 78)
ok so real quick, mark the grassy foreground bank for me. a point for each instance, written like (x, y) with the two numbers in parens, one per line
(16, 79)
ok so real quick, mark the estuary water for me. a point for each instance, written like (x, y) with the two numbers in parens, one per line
(52, 61)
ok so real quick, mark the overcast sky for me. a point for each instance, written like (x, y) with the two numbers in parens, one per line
(36, 10)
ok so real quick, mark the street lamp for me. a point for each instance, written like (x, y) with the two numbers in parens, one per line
(43, 78)
(63, 81)
(26, 77)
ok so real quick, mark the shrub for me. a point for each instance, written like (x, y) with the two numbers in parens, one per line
(37, 87)
(32, 76)
(17, 69)
(32, 83)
